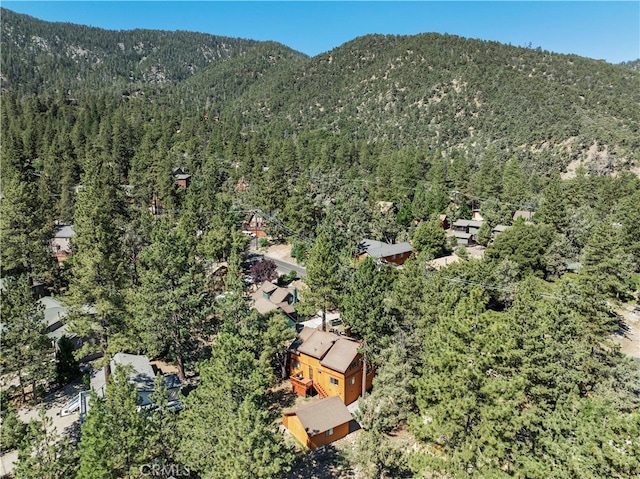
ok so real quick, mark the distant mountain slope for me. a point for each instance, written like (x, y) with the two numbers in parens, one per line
(447, 91)
(633, 64)
(430, 90)
(40, 56)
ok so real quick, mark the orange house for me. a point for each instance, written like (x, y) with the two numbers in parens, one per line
(328, 364)
(319, 423)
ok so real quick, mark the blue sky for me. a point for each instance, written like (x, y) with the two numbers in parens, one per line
(601, 30)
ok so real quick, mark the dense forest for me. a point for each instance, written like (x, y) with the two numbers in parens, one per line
(500, 366)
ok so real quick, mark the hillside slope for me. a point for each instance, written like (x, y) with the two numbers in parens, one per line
(40, 57)
(445, 91)
(429, 91)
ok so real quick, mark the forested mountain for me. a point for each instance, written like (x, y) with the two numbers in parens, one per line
(503, 364)
(429, 90)
(40, 56)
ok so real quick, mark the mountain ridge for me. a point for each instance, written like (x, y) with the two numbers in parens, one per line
(431, 91)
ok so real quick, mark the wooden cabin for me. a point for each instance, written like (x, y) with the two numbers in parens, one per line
(329, 365)
(396, 253)
(320, 422)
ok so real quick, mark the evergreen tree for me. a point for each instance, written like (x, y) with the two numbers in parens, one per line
(67, 367)
(324, 268)
(43, 454)
(24, 234)
(99, 279)
(171, 306)
(115, 440)
(276, 340)
(364, 308)
(524, 244)
(607, 267)
(27, 351)
(225, 428)
(429, 239)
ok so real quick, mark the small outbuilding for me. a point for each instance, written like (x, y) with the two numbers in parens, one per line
(320, 423)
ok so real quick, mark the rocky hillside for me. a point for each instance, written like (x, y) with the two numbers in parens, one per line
(429, 91)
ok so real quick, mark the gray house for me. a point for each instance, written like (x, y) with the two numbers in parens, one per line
(396, 253)
(141, 374)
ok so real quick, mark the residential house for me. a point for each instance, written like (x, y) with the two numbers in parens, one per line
(255, 223)
(61, 241)
(497, 229)
(329, 365)
(320, 423)
(270, 297)
(471, 227)
(388, 253)
(141, 375)
(462, 238)
(181, 178)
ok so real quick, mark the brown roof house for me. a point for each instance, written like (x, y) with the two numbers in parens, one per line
(320, 422)
(255, 223)
(270, 297)
(61, 241)
(181, 178)
(329, 365)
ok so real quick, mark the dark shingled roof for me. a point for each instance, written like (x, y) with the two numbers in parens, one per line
(378, 249)
(320, 416)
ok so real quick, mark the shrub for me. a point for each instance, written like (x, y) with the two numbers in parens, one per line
(13, 429)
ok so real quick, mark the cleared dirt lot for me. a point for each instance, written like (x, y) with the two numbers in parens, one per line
(66, 426)
(628, 334)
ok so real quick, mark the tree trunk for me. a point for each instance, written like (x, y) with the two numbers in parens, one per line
(24, 396)
(324, 319)
(106, 359)
(107, 371)
(364, 376)
(284, 363)
(180, 364)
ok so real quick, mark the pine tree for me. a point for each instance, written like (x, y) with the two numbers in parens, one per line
(96, 290)
(606, 264)
(171, 306)
(24, 234)
(27, 351)
(225, 428)
(429, 239)
(275, 343)
(324, 268)
(365, 309)
(115, 440)
(45, 455)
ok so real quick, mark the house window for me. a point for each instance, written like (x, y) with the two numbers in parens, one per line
(296, 365)
(352, 381)
(329, 432)
(354, 365)
(333, 381)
